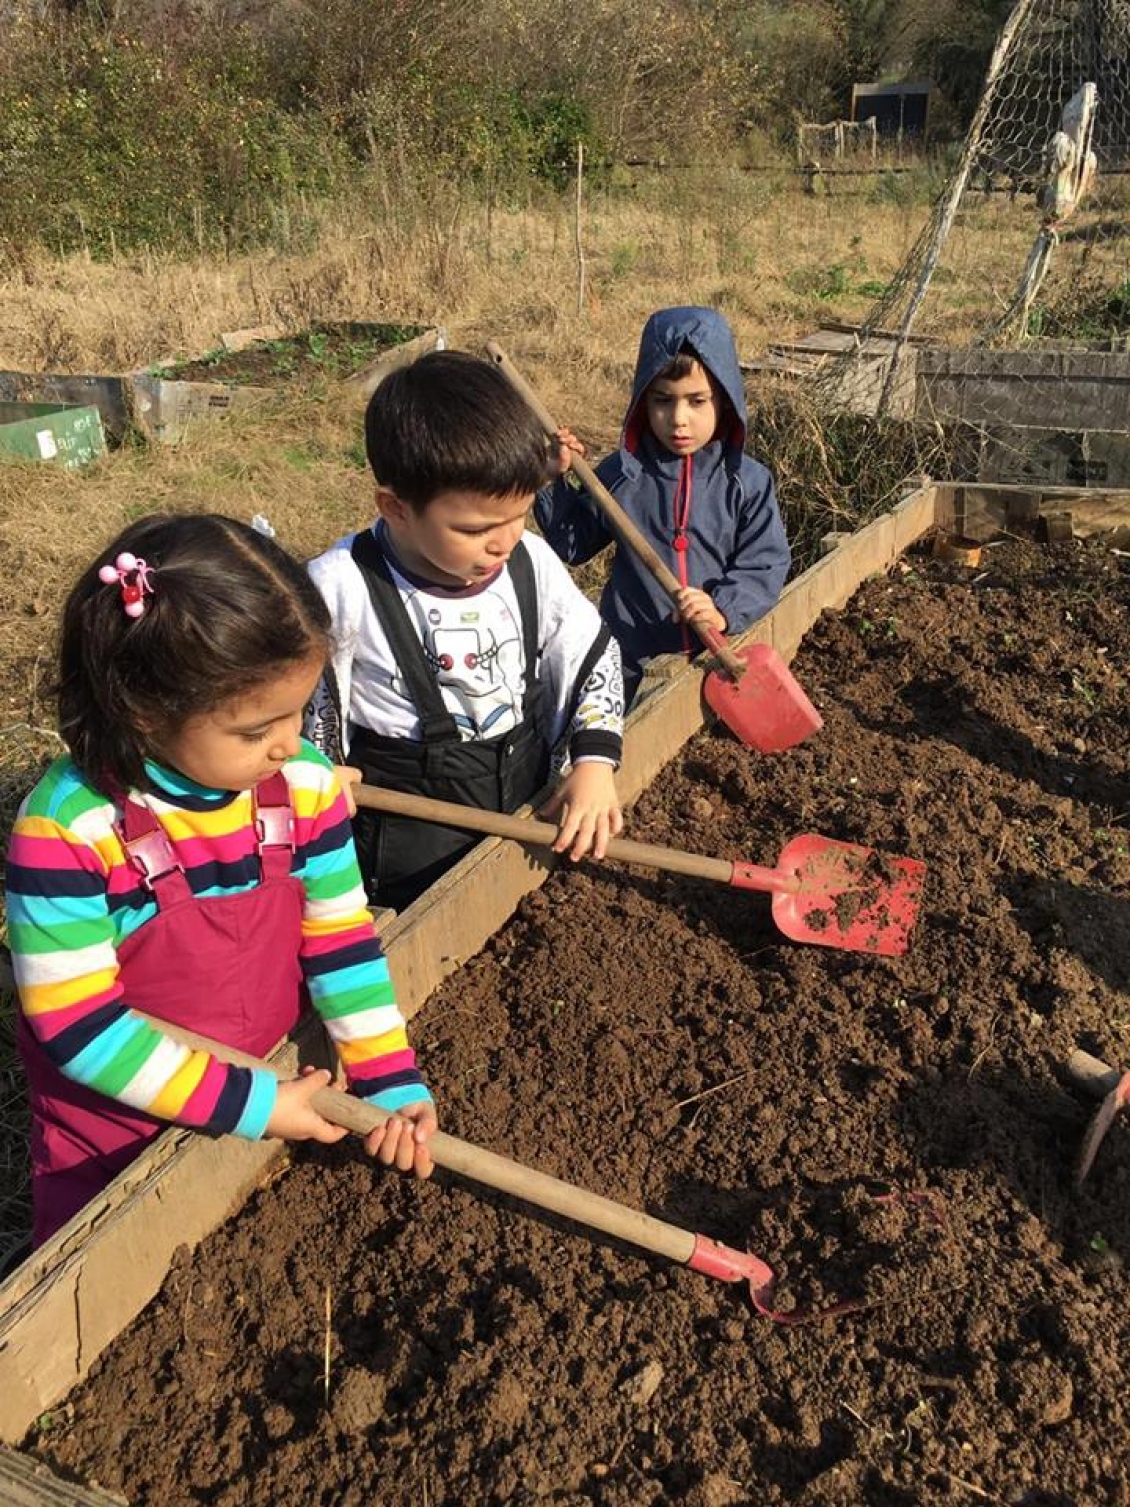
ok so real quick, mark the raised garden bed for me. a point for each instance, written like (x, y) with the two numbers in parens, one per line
(248, 367)
(654, 1039)
(337, 351)
(1050, 414)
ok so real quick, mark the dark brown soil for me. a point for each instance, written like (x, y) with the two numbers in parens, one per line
(332, 350)
(656, 1040)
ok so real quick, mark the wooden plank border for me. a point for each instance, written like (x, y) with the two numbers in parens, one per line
(982, 509)
(61, 1309)
(27, 1482)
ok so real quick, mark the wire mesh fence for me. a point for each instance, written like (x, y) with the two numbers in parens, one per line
(1045, 175)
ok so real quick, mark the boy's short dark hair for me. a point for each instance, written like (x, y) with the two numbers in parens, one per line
(451, 421)
(682, 366)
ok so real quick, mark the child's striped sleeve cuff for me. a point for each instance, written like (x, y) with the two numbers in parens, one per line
(252, 1123)
(393, 1099)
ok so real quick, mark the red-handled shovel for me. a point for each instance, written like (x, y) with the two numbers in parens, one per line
(620, 1221)
(835, 894)
(487, 1167)
(1093, 1075)
(757, 696)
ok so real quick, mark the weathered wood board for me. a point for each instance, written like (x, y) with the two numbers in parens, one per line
(1032, 416)
(1046, 389)
(979, 510)
(25, 1482)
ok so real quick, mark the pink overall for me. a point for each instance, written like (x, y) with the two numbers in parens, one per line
(226, 966)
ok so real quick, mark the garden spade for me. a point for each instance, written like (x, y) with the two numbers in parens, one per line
(543, 1191)
(1095, 1076)
(754, 693)
(833, 894)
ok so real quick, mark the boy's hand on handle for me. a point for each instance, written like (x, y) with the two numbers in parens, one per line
(347, 777)
(568, 445)
(402, 1141)
(586, 809)
(294, 1118)
(697, 607)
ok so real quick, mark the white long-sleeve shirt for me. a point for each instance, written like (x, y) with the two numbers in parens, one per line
(473, 639)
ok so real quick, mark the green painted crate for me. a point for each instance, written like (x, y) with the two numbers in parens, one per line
(63, 435)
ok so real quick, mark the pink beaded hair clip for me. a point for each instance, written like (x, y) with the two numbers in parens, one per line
(133, 576)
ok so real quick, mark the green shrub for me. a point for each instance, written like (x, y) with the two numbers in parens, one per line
(106, 141)
(131, 124)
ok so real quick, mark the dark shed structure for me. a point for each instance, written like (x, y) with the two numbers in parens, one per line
(898, 109)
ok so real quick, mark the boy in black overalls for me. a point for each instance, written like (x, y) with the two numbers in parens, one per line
(464, 654)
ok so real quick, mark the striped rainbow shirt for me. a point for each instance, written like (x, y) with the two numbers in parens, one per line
(73, 899)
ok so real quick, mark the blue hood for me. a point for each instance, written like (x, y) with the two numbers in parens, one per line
(736, 546)
(707, 335)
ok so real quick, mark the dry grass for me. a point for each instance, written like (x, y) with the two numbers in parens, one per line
(436, 255)
(727, 240)
(753, 246)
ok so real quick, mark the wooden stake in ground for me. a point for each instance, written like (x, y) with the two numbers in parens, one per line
(326, 1348)
(577, 229)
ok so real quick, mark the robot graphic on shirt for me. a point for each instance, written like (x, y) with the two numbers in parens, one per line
(475, 649)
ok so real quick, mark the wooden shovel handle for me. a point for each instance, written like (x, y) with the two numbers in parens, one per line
(621, 525)
(1091, 1074)
(476, 1162)
(539, 834)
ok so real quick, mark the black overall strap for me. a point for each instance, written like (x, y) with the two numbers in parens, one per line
(436, 722)
(588, 665)
(525, 590)
(437, 725)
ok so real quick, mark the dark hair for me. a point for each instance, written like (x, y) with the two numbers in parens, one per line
(682, 366)
(451, 420)
(228, 609)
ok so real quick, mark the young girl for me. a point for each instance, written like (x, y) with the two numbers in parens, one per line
(192, 859)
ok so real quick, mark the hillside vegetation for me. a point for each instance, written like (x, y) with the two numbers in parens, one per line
(213, 124)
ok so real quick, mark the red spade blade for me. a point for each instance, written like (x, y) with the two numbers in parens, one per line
(1100, 1124)
(766, 707)
(850, 896)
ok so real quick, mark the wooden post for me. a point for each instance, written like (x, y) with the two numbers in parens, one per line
(944, 221)
(28, 1482)
(577, 229)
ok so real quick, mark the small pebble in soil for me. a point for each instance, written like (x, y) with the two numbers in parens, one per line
(277, 1421)
(719, 1490)
(642, 1387)
(1060, 1403)
(1044, 1393)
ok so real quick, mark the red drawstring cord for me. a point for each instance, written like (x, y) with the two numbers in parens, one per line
(681, 513)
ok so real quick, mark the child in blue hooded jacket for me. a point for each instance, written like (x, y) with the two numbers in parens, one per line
(682, 475)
